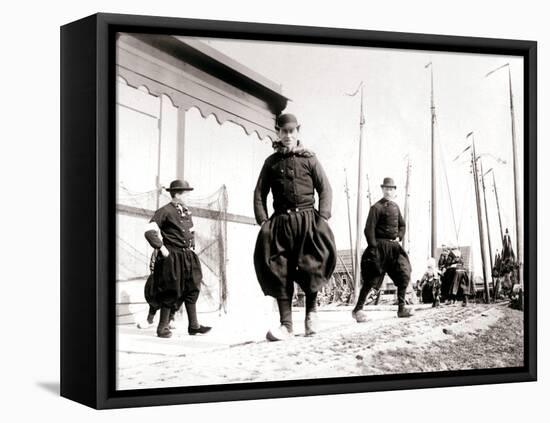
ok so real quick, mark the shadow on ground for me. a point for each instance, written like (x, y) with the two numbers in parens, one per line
(51, 387)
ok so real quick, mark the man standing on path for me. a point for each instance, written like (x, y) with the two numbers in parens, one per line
(384, 231)
(296, 243)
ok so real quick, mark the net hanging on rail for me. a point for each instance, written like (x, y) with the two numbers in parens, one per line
(210, 223)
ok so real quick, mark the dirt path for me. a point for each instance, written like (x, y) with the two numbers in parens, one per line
(451, 337)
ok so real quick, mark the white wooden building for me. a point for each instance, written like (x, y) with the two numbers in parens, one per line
(186, 111)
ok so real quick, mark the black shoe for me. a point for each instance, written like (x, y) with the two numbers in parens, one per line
(311, 324)
(403, 311)
(164, 333)
(201, 330)
(281, 333)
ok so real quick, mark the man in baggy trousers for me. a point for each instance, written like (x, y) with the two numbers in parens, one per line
(384, 230)
(296, 243)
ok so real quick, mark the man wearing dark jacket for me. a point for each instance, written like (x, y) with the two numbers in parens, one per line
(296, 243)
(177, 273)
(384, 230)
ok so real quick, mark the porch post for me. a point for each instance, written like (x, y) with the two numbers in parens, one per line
(180, 144)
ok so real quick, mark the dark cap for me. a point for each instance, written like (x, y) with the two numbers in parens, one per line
(388, 182)
(285, 119)
(179, 185)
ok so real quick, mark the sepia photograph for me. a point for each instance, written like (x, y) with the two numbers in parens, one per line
(290, 211)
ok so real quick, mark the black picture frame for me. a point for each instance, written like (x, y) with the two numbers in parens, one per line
(88, 213)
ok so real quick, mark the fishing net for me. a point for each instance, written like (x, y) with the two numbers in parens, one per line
(134, 253)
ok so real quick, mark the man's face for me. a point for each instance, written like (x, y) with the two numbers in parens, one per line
(180, 196)
(288, 135)
(388, 192)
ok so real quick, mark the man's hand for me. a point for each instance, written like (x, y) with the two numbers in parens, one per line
(322, 217)
(164, 251)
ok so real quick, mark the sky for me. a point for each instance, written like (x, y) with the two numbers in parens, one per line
(397, 111)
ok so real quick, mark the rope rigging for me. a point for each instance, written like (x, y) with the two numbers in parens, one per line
(444, 166)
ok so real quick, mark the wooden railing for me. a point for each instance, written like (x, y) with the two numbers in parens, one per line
(197, 211)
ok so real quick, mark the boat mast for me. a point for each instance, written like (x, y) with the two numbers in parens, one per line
(360, 176)
(497, 203)
(433, 185)
(498, 207)
(349, 225)
(486, 217)
(368, 191)
(479, 217)
(406, 207)
(519, 225)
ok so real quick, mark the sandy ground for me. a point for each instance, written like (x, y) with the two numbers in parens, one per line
(447, 338)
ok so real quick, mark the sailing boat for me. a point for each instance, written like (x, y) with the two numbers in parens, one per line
(433, 204)
(517, 182)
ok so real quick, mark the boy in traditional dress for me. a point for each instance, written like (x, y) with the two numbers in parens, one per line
(177, 273)
(296, 243)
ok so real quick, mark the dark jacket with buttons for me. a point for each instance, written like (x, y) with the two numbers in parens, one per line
(293, 179)
(384, 222)
(176, 230)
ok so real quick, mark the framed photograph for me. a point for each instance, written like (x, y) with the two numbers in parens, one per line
(259, 211)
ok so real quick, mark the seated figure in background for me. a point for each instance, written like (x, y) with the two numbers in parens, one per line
(430, 284)
(456, 279)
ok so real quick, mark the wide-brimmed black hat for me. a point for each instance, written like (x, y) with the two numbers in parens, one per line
(388, 182)
(179, 185)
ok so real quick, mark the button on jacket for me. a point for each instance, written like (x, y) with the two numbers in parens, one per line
(384, 222)
(293, 179)
(176, 229)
